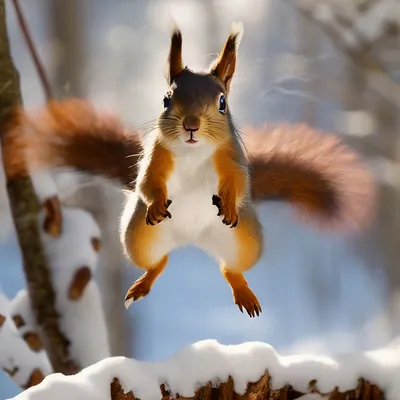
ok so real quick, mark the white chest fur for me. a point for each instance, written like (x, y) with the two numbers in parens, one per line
(191, 186)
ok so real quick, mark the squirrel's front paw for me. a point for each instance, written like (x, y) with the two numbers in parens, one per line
(157, 212)
(227, 209)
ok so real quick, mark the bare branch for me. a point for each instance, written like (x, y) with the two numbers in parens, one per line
(32, 49)
(349, 43)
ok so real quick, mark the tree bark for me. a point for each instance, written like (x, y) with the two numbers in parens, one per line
(25, 208)
(259, 390)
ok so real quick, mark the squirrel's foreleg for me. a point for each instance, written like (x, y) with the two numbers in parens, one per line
(232, 186)
(152, 185)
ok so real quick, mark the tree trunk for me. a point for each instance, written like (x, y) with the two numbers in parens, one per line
(69, 26)
(25, 208)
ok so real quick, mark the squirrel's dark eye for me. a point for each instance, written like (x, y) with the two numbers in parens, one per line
(167, 102)
(222, 104)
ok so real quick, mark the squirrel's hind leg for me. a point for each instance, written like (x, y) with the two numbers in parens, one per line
(147, 246)
(243, 296)
(238, 250)
(143, 284)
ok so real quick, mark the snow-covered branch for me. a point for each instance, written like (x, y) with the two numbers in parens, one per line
(253, 370)
(72, 252)
(21, 353)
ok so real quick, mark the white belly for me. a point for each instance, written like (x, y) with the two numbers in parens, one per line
(191, 187)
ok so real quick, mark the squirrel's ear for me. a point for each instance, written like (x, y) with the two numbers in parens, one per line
(175, 65)
(224, 66)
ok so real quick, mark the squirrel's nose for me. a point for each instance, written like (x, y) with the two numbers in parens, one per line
(191, 123)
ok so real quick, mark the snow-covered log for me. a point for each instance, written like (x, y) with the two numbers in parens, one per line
(209, 370)
(21, 353)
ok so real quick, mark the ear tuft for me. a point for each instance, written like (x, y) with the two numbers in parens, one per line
(175, 65)
(224, 67)
(236, 34)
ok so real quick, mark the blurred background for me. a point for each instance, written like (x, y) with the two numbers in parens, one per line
(331, 63)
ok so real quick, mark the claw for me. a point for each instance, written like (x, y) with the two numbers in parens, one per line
(216, 200)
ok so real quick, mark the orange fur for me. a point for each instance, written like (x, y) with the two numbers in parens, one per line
(243, 296)
(153, 187)
(232, 181)
(249, 249)
(314, 171)
(250, 240)
(139, 238)
(143, 285)
(72, 134)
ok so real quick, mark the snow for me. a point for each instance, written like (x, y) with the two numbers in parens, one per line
(205, 361)
(44, 184)
(82, 320)
(15, 352)
(20, 305)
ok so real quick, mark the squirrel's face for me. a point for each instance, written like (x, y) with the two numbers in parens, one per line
(196, 105)
(195, 110)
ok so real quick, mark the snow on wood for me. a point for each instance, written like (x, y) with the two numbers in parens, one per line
(71, 240)
(21, 354)
(73, 258)
(207, 367)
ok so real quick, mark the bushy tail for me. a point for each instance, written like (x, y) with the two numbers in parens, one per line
(312, 170)
(324, 179)
(73, 134)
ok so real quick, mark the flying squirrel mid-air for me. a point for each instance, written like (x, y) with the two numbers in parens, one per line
(195, 178)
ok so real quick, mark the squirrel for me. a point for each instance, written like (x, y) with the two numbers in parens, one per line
(195, 178)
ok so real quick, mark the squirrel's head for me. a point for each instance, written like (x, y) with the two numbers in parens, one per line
(196, 105)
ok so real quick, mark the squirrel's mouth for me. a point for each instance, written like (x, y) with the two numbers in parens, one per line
(192, 138)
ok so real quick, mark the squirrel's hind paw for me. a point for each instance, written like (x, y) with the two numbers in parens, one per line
(245, 298)
(139, 289)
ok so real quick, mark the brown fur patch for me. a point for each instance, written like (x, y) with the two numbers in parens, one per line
(312, 170)
(71, 133)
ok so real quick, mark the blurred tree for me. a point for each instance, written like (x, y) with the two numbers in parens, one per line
(25, 208)
(68, 19)
(367, 33)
